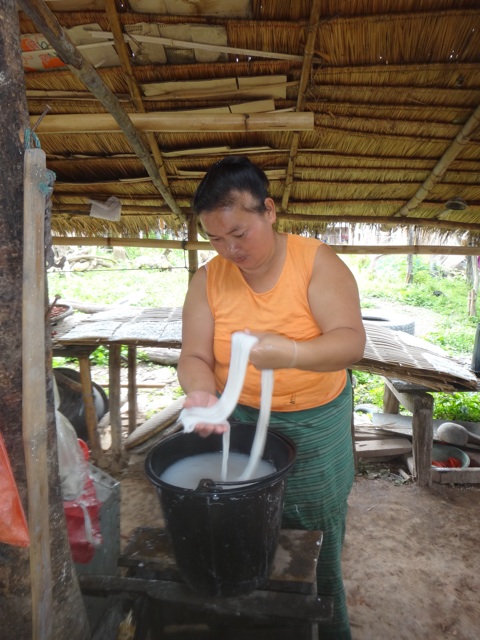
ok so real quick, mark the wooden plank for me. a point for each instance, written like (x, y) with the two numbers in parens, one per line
(294, 565)
(34, 407)
(379, 448)
(155, 91)
(259, 604)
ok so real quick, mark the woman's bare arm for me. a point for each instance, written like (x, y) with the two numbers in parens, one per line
(334, 302)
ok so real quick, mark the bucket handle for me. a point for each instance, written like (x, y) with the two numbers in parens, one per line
(207, 484)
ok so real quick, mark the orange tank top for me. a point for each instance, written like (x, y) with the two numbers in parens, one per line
(284, 309)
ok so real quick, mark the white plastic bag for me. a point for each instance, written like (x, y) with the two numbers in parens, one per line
(73, 467)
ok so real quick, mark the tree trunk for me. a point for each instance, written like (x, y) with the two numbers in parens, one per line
(68, 616)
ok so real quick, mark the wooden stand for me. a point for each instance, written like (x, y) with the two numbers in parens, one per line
(420, 403)
(289, 595)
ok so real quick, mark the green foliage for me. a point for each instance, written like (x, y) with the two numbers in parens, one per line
(99, 357)
(446, 294)
(368, 389)
(153, 285)
(457, 406)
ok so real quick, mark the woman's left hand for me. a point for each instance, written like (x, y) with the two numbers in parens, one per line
(273, 351)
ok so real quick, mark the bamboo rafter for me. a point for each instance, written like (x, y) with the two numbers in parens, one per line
(305, 75)
(102, 122)
(469, 129)
(124, 55)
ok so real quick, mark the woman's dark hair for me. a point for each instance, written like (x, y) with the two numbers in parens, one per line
(225, 179)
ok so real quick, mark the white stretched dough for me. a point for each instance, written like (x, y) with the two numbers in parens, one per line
(242, 343)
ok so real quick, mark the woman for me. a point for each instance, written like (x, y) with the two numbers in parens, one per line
(302, 302)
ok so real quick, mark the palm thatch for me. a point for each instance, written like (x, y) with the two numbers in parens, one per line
(392, 90)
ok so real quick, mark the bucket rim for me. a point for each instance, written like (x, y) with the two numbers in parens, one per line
(217, 485)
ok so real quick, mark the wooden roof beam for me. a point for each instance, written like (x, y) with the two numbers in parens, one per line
(305, 75)
(176, 122)
(198, 245)
(186, 44)
(145, 210)
(124, 55)
(469, 129)
(46, 23)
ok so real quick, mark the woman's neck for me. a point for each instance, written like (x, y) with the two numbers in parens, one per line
(265, 276)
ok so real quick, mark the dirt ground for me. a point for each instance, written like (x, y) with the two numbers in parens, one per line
(411, 557)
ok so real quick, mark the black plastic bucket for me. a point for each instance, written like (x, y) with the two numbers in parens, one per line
(224, 535)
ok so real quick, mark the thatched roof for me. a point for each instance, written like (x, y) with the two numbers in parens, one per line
(358, 111)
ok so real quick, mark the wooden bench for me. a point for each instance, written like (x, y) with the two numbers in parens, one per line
(289, 596)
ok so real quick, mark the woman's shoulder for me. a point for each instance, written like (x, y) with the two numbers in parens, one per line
(303, 245)
(303, 241)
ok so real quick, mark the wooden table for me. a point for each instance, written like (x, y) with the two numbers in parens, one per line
(78, 335)
(288, 596)
(161, 327)
(419, 401)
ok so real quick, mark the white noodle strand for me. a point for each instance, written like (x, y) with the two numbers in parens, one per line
(242, 343)
(218, 413)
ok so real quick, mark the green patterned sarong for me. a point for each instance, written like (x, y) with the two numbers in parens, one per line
(318, 487)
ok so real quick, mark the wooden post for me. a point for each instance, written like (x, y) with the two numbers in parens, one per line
(90, 411)
(390, 402)
(472, 294)
(421, 406)
(34, 394)
(132, 388)
(67, 613)
(192, 237)
(114, 405)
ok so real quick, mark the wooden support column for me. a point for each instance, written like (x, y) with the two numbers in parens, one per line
(114, 406)
(132, 388)
(192, 237)
(34, 394)
(390, 402)
(29, 608)
(421, 405)
(90, 410)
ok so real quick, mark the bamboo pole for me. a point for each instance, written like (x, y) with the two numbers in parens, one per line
(124, 55)
(442, 250)
(186, 44)
(34, 410)
(45, 21)
(304, 79)
(192, 254)
(469, 130)
(439, 225)
(176, 122)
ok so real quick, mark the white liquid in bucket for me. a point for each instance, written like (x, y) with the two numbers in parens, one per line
(188, 472)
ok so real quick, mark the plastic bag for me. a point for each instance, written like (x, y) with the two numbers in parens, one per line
(72, 466)
(13, 524)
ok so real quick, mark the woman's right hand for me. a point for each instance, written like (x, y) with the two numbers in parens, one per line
(204, 399)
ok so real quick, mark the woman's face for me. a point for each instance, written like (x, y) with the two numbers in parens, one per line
(239, 233)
